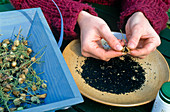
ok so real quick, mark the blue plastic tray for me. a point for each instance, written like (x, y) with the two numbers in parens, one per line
(62, 91)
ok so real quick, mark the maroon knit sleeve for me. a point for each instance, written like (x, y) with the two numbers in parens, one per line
(69, 9)
(154, 10)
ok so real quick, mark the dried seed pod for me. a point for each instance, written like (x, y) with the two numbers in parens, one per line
(16, 93)
(23, 97)
(14, 64)
(22, 56)
(14, 48)
(125, 50)
(44, 85)
(34, 88)
(29, 50)
(25, 71)
(6, 89)
(12, 109)
(25, 42)
(17, 102)
(8, 86)
(20, 108)
(4, 45)
(6, 41)
(42, 95)
(1, 109)
(16, 42)
(35, 99)
(22, 76)
(33, 59)
(21, 80)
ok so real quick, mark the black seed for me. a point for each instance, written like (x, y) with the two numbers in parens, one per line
(115, 76)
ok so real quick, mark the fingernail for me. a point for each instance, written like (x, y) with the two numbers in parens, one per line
(131, 45)
(119, 47)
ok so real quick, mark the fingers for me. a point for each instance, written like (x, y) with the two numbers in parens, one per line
(100, 53)
(110, 38)
(134, 39)
(143, 52)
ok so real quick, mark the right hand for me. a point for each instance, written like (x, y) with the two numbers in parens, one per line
(93, 29)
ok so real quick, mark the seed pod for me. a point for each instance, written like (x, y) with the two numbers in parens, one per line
(22, 56)
(33, 59)
(6, 41)
(25, 71)
(6, 89)
(20, 108)
(29, 50)
(23, 97)
(25, 42)
(4, 45)
(42, 96)
(125, 50)
(44, 85)
(14, 63)
(1, 109)
(21, 80)
(16, 42)
(16, 93)
(8, 86)
(14, 48)
(17, 102)
(22, 76)
(35, 99)
(34, 88)
(12, 109)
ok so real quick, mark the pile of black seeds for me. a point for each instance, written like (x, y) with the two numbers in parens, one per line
(120, 75)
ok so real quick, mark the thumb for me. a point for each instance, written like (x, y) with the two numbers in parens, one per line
(112, 41)
(134, 39)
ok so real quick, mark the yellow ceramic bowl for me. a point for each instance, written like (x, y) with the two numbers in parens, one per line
(158, 73)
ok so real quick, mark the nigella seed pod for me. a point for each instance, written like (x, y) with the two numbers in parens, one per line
(29, 50)
(25, 42)
(16, 42)
(34, 88)
(17, 102)
(125, 50)
(14, 64)
(33, 59)
(14, 48)
(1, 109)
(42, 95)
(6, 89)
(25, 71)
(22, 56)
(4, 45)
(21, 80)
(6, 41)
(22, 76)
(44, 85)
(16, 93)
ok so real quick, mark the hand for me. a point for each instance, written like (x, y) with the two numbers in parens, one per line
(142, 38)
(93, 29)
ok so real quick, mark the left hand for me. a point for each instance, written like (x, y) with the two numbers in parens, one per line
(142, 38)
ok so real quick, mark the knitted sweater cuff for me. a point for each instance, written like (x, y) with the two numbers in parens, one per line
(155, 13)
